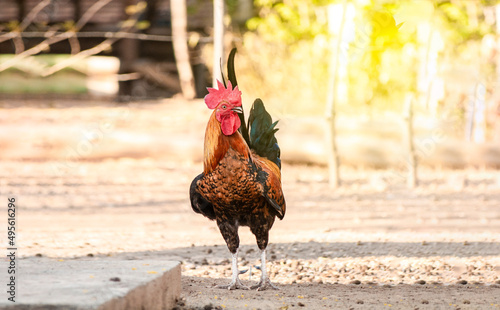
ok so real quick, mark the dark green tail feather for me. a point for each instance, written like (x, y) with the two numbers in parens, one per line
(262, 133)
(262, 137)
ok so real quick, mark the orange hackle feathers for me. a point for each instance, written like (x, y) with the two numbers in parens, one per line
(217, 144)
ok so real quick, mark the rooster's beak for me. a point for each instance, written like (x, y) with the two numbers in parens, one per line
(237, 109)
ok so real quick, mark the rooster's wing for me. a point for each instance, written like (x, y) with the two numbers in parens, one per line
(198, 203)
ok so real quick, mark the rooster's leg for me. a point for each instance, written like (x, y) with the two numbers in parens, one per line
(230, 233)
(264, 282)
(235, 280)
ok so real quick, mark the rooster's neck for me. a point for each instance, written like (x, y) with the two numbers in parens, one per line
(217, 144)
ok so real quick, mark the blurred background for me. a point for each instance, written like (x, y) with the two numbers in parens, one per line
(102, 125)
(390, 72)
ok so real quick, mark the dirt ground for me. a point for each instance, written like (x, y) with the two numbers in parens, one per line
(371, 244)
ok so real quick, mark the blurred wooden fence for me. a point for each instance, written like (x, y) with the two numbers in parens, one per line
(138, 32)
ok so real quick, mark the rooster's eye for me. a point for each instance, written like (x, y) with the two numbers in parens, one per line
(224, 106)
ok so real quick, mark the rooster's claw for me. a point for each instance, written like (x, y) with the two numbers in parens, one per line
(264, 285)
(234, 286)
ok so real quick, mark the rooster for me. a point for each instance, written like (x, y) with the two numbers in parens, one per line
(241, 180)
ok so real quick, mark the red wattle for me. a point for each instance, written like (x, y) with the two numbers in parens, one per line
(230, 123)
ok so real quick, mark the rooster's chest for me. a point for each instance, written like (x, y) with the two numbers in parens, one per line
(233, 184)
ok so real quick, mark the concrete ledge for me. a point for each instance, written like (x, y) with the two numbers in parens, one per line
(104, 285)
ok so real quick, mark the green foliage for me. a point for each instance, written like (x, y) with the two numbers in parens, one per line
(383, 48)
(287, 22)
(460, 22)
(381, 58)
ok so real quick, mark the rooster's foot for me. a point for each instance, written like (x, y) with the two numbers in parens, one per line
(264, 285)
(234, 285)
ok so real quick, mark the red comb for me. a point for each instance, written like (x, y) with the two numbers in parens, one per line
(215, 96)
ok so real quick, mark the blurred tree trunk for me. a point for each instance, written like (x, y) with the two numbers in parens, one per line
(218, 41)
(128, 52)
(181, 52)
(475, 129)
(330, 113)
(412, 157)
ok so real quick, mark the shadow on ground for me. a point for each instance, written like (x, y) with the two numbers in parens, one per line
(315, 250)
